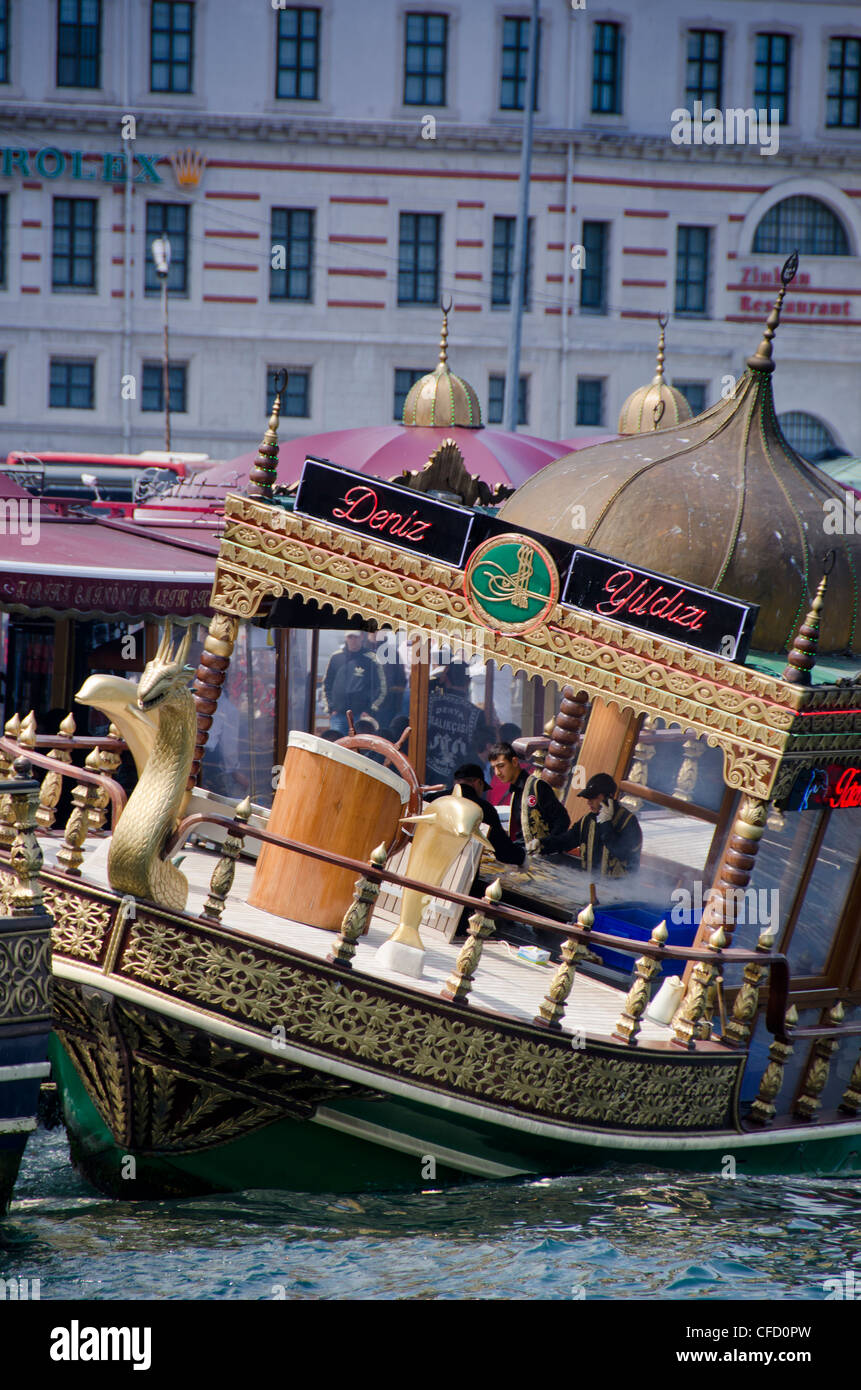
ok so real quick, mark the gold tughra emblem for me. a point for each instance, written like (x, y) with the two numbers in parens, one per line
(188, 166)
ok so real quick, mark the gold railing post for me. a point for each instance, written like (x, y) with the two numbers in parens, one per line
(480, 927)
(697, 996)
(225, 870)
(816, 1075)
(77, 829)
(551, 1010)
(851, 1102)
(25, 856)
(52, 783)
(639, 772)
(689, 769)
(358, 914)
(7, 821)
(747, 1000)
(104, 761)
(763, 1110)
(640, 993)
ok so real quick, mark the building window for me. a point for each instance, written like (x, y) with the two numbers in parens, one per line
(74, 245)
(496, 400)
(590, 400)
(405, 377)
(72, 384)
(803, 224)
(425, 59)
(152, 394)
(515, 50)
(694, 393)
(809, 436)
(607, 70)
(2, 378)
(692, 270)
(291, 274)
(418, 261)
(704, 81)
(171, 44)
(167, 220)
(503, 262)
(79, 43)
(4, 40)
(4, 208)
(593, 272)
(297, 72)
(296, 400)
(844, 95)
(771, 89)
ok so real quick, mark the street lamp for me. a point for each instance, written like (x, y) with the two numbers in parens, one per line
(161, 258)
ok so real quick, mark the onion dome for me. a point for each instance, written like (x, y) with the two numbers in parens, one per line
(722, 501)
(657, 405)
(441, 398)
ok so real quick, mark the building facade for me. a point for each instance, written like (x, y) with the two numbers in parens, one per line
(325, 174)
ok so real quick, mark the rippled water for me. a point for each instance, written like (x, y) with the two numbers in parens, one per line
(623, 1233)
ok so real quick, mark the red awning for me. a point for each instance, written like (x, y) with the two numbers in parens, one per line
(90, 567)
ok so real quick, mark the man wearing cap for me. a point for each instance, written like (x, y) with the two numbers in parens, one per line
(473, 785)
(608, 836)
(542, 815)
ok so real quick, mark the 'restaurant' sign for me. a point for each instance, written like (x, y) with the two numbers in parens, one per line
(511, 577)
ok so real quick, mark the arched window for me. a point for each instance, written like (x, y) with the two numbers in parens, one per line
(804, 225)
(808, 436)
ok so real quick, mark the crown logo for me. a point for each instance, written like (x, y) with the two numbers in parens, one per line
(188, 166)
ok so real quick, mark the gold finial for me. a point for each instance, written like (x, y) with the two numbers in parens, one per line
(262, 476)
(658, 379)
(763, 361)
(443, 337)
(802, 655)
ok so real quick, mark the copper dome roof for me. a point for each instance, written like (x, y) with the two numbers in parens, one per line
(723, 502)
(440, 397)
(657, 405)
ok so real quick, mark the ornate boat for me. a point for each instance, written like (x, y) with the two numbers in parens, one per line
(224, 1023)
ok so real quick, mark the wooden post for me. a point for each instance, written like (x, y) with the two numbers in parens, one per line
(734, 873)
(358, 915)
(480, 927)
(225, 870)
(419, 699)
(565, 739)
(637, 1000)
(816, 1075)
(209, 679)
(551, 1010)
(763, 1110)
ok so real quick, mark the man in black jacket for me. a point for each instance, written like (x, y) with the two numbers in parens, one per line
(542, 815)
(353, 681)
(473, 786)
(608, 836)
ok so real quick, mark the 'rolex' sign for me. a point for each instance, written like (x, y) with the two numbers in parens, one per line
(52, 163)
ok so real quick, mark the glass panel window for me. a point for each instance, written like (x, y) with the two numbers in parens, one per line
(72, 384)
(771, 86)
(827, 891)
(496, 400)
(297, 74)
(704, 75)
(4, 40)
(607, 70)
(425, 59)
(296, 400)
(405, 377)
(152, 393)
(694, 393)
(167, 220)
(803, 224)
(79, 43)
(171, 45)
(593, 272)
(240, 752)
(692, 270)
(844, 90)
(515, 50)
(291, 274)
(590, 400)
(4, 211)
(73, 265)
(503, 261)
(419, 259)
(367, 673)
(808, 436)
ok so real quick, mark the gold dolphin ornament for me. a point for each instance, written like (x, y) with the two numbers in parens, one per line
(118, 699)
(440, 835)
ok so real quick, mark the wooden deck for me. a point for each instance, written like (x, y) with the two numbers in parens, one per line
(504, 983)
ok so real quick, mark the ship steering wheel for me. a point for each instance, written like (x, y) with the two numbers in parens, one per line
(393, 757)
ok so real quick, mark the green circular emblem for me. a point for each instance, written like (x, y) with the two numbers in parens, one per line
(511, 583)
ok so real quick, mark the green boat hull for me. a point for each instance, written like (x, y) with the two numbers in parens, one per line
(409, 1139)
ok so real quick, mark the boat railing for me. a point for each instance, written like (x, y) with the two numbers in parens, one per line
(577, 936)
(95, 789)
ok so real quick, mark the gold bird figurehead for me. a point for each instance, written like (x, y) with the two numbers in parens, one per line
(440, 835)
(166, 673)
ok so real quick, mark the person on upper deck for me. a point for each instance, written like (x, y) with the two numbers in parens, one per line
(473, 786)
(608, 836)
(546, 814)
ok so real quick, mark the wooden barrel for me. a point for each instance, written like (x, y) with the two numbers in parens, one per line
(335, 799)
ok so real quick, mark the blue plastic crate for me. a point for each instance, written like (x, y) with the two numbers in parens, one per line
(637, 921)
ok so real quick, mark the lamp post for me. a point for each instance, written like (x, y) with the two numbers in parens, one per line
(161, 258)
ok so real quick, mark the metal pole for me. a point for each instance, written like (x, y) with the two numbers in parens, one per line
(166, 367)
(127, 237)
(518, 279)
